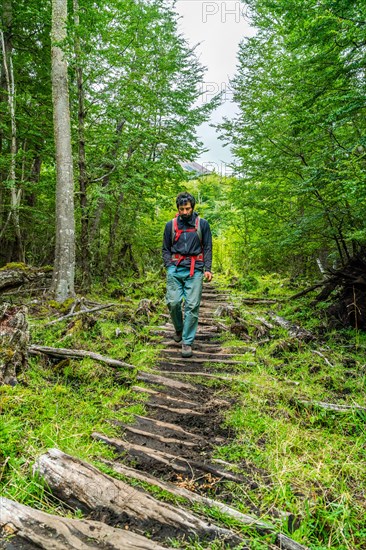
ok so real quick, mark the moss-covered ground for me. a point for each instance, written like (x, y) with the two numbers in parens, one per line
(309, 463)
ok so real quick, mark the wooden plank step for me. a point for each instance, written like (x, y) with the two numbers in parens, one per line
(163, 395)
(164, 381)
(170, 428)
(175, 462)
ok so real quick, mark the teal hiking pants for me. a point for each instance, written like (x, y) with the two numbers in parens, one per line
(179, 286)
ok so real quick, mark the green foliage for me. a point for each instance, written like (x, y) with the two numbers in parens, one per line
(299, 135)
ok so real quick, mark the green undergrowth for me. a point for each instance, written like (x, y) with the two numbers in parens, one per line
(306, 464)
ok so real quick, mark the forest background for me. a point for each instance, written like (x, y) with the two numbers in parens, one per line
(296, 201)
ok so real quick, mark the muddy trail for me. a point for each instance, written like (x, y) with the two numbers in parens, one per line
(170, 450)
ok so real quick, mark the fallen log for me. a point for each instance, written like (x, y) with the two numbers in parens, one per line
(131, 473)
(77, 354)
(14, 339)
(284, 542)
(48, 531)
(332, 406)
(294, 330)
(177, 463)
(84, 486)
(15, 277)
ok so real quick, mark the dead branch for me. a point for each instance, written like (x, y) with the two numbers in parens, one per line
(81, 312)
(77, 354)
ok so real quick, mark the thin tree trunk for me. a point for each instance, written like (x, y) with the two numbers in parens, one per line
(64, 267)
(15, 194)
(112, 237)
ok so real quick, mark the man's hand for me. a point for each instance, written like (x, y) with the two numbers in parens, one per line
(208, 276)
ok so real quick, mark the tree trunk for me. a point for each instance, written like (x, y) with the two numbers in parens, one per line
(112, 237)
(64, 267)
(15, 194)
(14, 338)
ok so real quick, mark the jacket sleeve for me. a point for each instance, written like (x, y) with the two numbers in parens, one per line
(207, 246)
(167, 245)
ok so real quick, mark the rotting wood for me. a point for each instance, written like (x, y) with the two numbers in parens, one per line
(14, 339)
(332, 406)
(164, 381)
(202, 355)
(294, 330)
(162, 395)
(12, 278)
(202, 360)
(285, 542)
(197, 373)
(185, 493)
(177, 463)
(48, 531)
(78, 354)
(174, 410)
(167, 426)
(81, 312)
(159, 438)
(80, 484)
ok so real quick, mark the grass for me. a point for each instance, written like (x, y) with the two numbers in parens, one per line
(308, 463)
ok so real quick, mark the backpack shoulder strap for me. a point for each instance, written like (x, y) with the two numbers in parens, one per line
(198, 228)
(174, 228)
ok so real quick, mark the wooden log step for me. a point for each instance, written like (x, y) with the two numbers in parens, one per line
(200, 361)
(200, 330)
(197, 354)
(177, 463)
(160, 438)
(203, 336)
(201, 346)
(48, 531)
(173, 410)
(159, 394)
(164, 381)
(132, 473)
(174, 430)
(80, 484)
(228, 378)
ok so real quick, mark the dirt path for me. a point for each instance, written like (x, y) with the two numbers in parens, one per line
(170, 448)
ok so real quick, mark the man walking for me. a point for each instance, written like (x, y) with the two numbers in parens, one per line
(187, 255)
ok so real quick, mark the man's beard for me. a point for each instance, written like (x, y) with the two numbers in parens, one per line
(186, 217)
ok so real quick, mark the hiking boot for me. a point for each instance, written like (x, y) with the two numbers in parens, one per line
(186, 350)
(177, 337)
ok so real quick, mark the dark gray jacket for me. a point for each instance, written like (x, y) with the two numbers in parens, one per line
(189, 243)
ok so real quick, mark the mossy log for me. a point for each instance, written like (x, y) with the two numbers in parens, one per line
(17, 275)
(48, 531)
(14, 338)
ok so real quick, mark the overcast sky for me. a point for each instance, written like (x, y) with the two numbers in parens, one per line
(218, 27)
